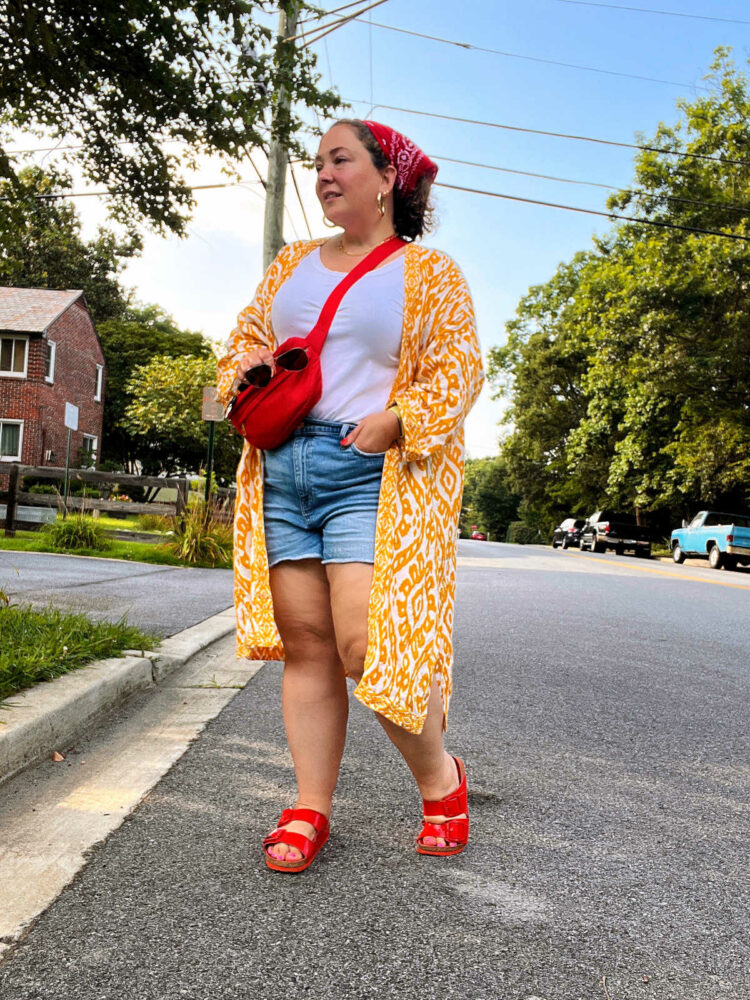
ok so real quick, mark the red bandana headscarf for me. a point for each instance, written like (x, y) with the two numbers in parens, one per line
(410, 162)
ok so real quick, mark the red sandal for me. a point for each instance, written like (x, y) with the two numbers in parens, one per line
(455, 831)
(307, 848)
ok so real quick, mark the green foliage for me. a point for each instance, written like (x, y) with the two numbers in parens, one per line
(41, 244)
(521, 533)
(41, 645)
(200, 538)
(488, 500)
(78, 531)
(628, 371)
(129, 342)
(145, 89)
(153, 522)
(164, 417)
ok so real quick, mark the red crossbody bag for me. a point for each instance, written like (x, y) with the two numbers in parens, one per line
(267, 414)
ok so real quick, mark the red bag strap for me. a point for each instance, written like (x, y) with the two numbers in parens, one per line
(317, 336)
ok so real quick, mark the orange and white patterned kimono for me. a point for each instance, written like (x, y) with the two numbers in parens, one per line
(414, 578)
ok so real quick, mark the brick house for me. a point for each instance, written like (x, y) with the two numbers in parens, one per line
(50, 355)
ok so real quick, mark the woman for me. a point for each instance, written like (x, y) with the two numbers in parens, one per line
(345, 536)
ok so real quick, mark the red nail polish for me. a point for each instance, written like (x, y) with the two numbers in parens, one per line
(344, 441)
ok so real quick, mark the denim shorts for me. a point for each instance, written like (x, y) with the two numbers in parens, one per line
(320, 500)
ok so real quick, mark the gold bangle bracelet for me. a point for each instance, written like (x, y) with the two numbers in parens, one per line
(394, 408)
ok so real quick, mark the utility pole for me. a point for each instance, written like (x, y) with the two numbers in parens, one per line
(273, 236)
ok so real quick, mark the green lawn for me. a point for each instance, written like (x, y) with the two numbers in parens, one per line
(41, 645)
(36, 541)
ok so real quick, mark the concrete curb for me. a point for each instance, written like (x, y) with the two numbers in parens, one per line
(51, 716)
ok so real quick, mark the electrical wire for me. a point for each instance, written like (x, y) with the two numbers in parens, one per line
(299, 196)
(326, 13)
(326, 29)
(110, 194)
(537, 59)
(592, 211)
(456, 187)
(650, 10)
(636, 192)
(562, 135)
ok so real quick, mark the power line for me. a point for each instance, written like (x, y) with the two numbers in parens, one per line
(636, 192)
(110, 194)
(326, 29)
(650, 10)
(537, 59)
(327, 13)
(561, 135)
(299, 196)
(591, 211)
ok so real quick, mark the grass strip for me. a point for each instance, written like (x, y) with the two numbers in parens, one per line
(147, 552)
(39, 645)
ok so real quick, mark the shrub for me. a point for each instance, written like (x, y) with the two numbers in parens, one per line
(523, 534)
(153, 522)
(199, 538)
(76, 532)
(42, 488)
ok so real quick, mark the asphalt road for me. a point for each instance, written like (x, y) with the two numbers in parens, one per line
(601, 707)
(161, 600)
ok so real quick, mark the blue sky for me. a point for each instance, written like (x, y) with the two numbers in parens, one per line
(503, 247)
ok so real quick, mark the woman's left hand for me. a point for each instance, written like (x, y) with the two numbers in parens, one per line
(375, 433)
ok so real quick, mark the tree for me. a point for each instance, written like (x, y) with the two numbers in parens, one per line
(130, 343)
(41, 245)
(488, 500)
(123, 80)
(628, 370)
(164, 416)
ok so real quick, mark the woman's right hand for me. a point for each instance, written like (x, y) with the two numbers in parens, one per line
(262, 356)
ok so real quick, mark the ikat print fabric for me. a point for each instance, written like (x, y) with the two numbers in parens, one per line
(411, 606)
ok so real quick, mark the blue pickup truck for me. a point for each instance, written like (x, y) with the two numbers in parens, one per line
(723, 538)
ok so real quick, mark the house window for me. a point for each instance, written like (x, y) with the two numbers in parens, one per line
(13, 356)
(49, 366)
(11, 440)
(99, 378)
(88, 450)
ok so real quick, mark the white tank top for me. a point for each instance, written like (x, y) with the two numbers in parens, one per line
(360, 356)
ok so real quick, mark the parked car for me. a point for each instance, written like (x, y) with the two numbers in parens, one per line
(723, 538)
(608, 530)
(479, 536)
(568, 533)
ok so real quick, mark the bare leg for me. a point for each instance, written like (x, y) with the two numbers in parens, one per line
(433, 768)
(314, 697)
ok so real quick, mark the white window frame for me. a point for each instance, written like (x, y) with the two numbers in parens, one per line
(91, 451)
(52, 346)
(13, 458)
(23, 374)
(99, 383)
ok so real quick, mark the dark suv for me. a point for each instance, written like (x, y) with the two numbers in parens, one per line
(568, 533)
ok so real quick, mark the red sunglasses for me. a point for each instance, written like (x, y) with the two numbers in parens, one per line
(259, 376)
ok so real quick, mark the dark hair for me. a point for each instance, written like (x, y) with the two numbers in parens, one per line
(413, 213)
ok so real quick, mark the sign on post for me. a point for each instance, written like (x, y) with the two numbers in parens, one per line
(71, 417)
(212, 408)
(213, 412)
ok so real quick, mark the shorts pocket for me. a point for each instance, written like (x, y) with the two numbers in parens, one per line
(367, 454)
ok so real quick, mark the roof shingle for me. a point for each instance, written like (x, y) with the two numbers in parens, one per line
(32, 310)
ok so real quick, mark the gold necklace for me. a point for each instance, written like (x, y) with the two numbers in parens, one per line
(348, 253)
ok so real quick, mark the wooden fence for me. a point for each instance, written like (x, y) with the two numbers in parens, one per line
(15, 495)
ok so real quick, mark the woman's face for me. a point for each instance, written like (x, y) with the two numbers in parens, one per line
(348, 181)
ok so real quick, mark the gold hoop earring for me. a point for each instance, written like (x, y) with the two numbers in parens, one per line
(329, 224)
(381, 204)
